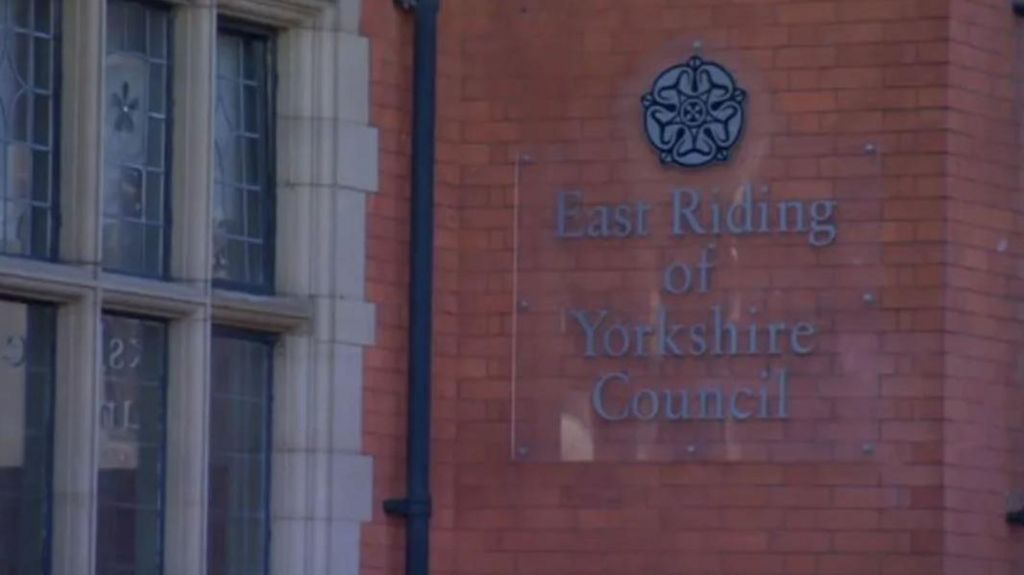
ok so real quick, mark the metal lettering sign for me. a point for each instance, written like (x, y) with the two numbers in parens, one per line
(657, 334)
(725, 314)
(694, 114)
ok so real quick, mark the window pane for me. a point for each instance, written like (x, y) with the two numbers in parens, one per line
(136, 138)
(26, 435)
(27, 123)
(240, 441)
(243, 244)
(132, 416)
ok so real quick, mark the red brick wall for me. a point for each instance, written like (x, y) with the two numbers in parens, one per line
(390, 33)
(387, 276)
(933, 83)
(982, 391)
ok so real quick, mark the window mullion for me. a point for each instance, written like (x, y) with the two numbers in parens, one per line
(78, 371)
(187, 450)
(76, 426)
(195, 32)
(81, 159)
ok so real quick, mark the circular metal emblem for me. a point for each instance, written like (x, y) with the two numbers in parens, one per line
(694, 114)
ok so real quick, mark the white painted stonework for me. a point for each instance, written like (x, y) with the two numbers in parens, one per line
(327, 164)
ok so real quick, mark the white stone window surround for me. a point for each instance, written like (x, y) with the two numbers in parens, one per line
(327, 164)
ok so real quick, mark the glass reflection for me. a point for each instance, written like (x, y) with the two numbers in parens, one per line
(26, 436)
(136, 138)
(132, 415)
(238, 516)
(27, 113)
(243, 200)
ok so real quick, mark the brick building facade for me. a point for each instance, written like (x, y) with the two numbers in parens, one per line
(722, 287)
(905, 112)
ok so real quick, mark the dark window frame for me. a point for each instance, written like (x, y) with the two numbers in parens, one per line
(267, 34)
(164, 272)
(270, 340)
(44, 307)
(51, 430)
(164, 398)
(53, 251)
(58, 91)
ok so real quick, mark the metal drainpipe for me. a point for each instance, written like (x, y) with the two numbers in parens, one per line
(415, 507)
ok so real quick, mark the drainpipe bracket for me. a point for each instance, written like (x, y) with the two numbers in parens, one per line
(412, 5)
(408, 507)
(1015, 517)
